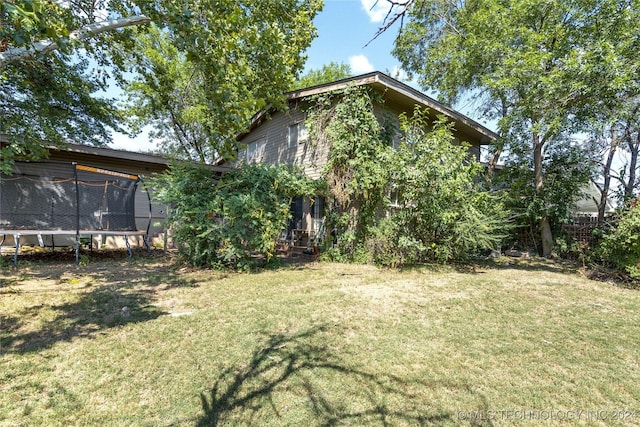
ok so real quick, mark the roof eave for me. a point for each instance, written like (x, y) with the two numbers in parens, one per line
(376, 77)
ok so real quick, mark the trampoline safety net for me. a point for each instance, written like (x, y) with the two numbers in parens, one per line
(58, 196)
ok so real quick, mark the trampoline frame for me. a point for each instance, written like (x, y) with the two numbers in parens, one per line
(78, 233)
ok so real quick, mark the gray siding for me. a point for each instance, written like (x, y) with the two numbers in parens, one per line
(274, 132)
(311, 157)
(268, 143)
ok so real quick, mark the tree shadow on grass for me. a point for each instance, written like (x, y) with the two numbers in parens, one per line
(531, 264)
(98, 296)
(91, 313)
(104, 296)
(297, 375)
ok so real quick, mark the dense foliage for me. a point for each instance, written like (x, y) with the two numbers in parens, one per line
(231, 221)
(198, 86)
(621, 246)
(248, 52)
(357, 168)
(542, 68)
(400, 192)
(49, 100)
(567, 171)
(441, 212)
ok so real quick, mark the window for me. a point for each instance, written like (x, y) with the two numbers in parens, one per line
(318, 214)
(297, 134)
(395, 200)
(255, 150)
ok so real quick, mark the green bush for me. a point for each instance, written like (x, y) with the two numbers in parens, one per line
(621, 246)
(443, 215)
(441, 212)
(233, 221)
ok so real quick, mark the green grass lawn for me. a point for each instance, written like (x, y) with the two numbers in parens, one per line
(140, 343)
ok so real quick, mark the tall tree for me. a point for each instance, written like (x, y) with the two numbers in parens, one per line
(247, 52)
(546, 63)
(199, 88)
(616, 137)
(46, 93)
(169, 96)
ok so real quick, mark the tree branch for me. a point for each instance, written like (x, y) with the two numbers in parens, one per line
(45, 46)
(390, 19)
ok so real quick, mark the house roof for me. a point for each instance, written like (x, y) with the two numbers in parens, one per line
(112, 153)
(396, 91)
(121, 160)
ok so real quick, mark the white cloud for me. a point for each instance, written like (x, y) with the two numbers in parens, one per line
(379, 9)
(376, 10)
(360, 64)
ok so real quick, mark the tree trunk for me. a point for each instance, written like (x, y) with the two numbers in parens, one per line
(495, 157)
(634, 149)
(546, 236)
(493, 162)
(606, 172)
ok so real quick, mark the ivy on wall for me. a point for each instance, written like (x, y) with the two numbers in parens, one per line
(439, 211)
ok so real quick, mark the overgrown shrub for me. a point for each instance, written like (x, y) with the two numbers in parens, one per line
(443, 215)
(620, 247)
(567, 175)
(231, 221)
(440, 211)
(357, 166)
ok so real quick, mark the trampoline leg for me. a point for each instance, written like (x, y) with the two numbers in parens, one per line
(77, 249)
(15, 255)
(145, 239)
(126, 241)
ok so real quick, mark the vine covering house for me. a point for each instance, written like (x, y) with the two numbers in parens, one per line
(284, 137)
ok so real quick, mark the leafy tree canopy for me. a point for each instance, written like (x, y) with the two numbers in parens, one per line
(438, 211)
(327, 73)
(247, 52)
(199, 87)
(541, 67)
(48, 99)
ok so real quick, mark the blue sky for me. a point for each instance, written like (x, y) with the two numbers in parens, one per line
(344, 28)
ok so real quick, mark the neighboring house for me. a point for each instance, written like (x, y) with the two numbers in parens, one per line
(280, 137)
(587, 205)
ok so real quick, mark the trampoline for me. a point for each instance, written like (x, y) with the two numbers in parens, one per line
(58, 198)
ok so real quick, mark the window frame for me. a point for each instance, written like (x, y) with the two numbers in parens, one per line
(253, 152)
(301, 134)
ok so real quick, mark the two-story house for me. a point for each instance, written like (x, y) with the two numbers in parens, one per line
(280, 137)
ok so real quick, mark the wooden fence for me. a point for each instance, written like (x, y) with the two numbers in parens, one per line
(580, 229)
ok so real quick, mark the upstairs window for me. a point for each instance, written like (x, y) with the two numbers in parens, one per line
(255, 151)
(297, 134)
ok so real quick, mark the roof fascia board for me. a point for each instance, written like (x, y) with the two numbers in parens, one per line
(113, 153)
(399, 87)
(120, 155)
